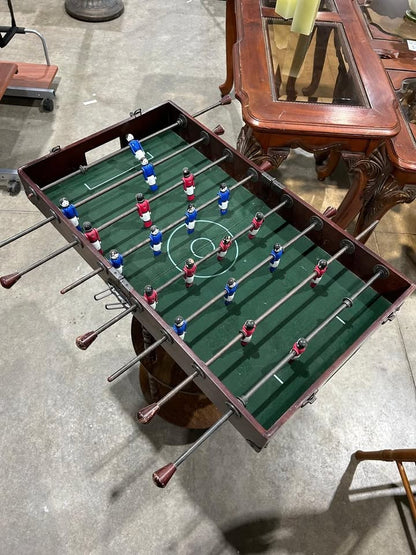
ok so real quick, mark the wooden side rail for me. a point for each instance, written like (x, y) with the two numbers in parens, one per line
(399, 456)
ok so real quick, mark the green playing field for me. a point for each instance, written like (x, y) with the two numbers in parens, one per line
(240, 367)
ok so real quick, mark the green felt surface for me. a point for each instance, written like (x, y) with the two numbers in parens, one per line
(239, 368)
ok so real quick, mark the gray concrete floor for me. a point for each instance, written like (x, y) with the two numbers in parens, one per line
(76, 467)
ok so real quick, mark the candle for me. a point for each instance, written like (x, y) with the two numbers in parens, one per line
(285, 8)
(304, 16)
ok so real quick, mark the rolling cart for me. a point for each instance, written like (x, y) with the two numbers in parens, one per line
(24, 80)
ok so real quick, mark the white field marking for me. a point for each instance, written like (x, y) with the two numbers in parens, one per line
(149, 156)
(277, 378)
(342, 321)
(201, 239)
(202, 276)
(92, 187)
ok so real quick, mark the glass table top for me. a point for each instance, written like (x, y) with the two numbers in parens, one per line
(389, 16)
(407, 100)
(313, 69)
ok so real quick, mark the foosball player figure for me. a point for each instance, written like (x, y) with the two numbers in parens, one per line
(256, 224)
(223, 198)
(319, 269)
(116, 261)
(188, 181)
(179, 327)
(190, 218)
(70, 212)
(93, 236)
(230, 289)
(143, 209)
(276, 253)
(149, 174)
(189, 272)
(298, 348)
(150, 296)
(155, 240)
(224, 245)
(248, 329)
(135, 147)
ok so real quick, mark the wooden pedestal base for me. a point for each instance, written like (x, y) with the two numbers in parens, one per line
(159, 373)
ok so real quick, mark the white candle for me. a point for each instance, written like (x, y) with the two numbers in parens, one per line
(304, 16)
(285, 8)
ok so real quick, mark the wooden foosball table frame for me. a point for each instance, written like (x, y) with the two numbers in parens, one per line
(387, 287)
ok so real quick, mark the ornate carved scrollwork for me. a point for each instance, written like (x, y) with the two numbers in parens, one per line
(382, 190)
(250, 147)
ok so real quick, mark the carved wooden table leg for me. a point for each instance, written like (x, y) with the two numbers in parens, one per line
(248, 145)
(326, 161)
(230, 37)
(159, 373)
(382, 190)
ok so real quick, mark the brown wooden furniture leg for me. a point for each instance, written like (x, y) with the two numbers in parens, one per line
(231, 37)
(326, 161)
(399, 456)
(382, 190)
(159, 373)
(248, 145)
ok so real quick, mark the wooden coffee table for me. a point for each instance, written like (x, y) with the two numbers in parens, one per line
(328, 94)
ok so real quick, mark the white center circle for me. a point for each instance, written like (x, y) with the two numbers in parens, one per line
(192, 248)
(201, 239)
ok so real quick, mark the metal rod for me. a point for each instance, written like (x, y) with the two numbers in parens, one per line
(162, 476)
(85, 340)
(301, 234)
(346, 303)
(159, 195)
(26, 231)
(9, 280)
(224, 100)
(135, 174)
(81, 280)
(132, 362)
(108, 156)
(206, 257)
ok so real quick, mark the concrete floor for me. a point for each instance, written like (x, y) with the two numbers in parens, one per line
(76, 467)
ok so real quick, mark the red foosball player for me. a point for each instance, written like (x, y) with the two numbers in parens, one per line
(224, 245)
(93, 237)
(247, 330)
(298, 348)
(143, 208)
(150, 296)
(189, 272)
(256, 224)
(319, 269)
(188, 181)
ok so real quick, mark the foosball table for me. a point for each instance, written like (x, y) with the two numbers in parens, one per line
(244, 299)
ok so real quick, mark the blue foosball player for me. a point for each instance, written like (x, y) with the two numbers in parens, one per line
(223, 198)
(276, 255)
(155, 240)
(149, 174)
(135, 147)
(116, 260)
(180, 326)
(230, 289)
(190, 218)
(70, 212)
